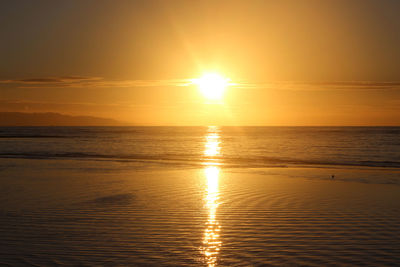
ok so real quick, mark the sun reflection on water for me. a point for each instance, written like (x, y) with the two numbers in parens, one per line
(212, 145)
(211, 238)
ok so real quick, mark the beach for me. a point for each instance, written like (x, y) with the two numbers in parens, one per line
(90, 213)
(200, 133)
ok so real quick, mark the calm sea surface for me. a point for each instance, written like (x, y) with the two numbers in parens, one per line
(226, 146)
(199, 196)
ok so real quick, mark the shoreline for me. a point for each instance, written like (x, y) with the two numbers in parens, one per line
(372, 175)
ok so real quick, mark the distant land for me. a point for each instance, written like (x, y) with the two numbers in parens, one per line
(52, 119)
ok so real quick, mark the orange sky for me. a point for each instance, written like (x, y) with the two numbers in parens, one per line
(293, 62)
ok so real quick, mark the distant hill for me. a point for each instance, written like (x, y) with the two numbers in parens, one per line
(52, 119)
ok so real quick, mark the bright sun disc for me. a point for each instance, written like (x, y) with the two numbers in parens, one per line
(212, 85)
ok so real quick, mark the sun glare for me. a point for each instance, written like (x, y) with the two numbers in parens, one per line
(212, 85)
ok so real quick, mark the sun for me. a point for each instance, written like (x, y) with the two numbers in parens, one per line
(212, 85)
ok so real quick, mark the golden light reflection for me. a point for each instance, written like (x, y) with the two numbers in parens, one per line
(212, 145)
(211, 238)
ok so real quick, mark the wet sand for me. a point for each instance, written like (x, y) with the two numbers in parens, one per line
(88, 213)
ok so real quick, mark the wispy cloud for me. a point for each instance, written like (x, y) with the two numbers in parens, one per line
(314, 86)
(90, 82)
(100, 82)
(6, 104)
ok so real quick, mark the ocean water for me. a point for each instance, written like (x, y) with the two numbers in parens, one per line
(227, 146)
(199, 196)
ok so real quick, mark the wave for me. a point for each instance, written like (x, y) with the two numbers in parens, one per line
(32, 136)
(255, 162)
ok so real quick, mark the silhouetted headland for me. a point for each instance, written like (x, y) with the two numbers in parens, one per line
(52, 119)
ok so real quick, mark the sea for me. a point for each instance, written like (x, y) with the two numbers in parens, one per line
(248, 147)
(199, 196)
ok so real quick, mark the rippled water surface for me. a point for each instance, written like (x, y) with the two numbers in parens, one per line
(199, 196)
(238, 147)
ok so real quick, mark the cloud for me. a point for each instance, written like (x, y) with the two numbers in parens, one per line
(90, 82)
(99, 82)
(51, 80)
(315, 86)
(64, 79)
